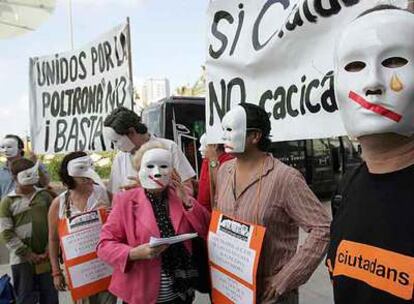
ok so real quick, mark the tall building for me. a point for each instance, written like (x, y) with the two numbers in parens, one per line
(155, 89)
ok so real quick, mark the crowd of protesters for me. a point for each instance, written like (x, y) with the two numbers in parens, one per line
(151, 192)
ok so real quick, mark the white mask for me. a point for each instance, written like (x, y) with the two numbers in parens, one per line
(121, 142)
(374, 74)
(83, 167)
(156, 168)
(234, 128)
(9, 147)
(203, 145)
(29, 176)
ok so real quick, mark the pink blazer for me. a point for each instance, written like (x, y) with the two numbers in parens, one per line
(132, 223)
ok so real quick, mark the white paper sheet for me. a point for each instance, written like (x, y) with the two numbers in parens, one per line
(154, 242)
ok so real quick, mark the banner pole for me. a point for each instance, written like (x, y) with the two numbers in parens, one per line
(71, 25)
(130, 64)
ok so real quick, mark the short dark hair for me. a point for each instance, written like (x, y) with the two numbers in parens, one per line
(257, 118)
(20, 143)
(381, 7)
(64, 176)
(121, 119)
(19, 165)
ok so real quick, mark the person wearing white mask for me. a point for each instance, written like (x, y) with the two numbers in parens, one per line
(12, 147)
(24, 231)
(371, 254)
(213, 154)
(256, 188)
(203, 145)
(85, 192)
(159, 208)
(124, 128)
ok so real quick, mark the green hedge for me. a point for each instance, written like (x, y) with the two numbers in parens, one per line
(53, 166)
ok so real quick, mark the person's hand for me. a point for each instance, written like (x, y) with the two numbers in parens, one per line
(135, 183)
(270, 293)
(180, 191)
(44, 257)
(34, 258)
(145, 252)
(59, 282)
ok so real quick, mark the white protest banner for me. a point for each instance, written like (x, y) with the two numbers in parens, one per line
(71, 93)
(277, 54)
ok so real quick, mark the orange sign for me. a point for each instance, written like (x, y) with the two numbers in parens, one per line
(79, 235)
(382, 269)
(234, 250)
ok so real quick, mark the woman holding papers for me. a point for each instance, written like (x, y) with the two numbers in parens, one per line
(159, 208)
(85, 192)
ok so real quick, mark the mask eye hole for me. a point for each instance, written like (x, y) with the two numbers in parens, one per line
(163, 166)
(355, 66)
(394, 62)
(150, 166)
(229, 129)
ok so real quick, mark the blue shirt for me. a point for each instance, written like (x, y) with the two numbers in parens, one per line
(6, 181)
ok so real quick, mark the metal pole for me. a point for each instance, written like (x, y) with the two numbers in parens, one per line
(131, 77)
(71, 24)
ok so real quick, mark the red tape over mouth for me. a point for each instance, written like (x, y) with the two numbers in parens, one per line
(156, 181)
(374, 107)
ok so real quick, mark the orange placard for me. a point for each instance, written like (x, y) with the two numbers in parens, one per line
(234, 250)
(87, 275)
(382, 269)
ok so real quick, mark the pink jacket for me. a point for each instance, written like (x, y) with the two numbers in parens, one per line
(132, 223)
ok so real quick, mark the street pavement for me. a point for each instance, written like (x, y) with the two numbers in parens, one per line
(317, 290)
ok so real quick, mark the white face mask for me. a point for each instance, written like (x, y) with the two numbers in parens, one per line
(29, 176)
(121, 142)
(374, 74)
(156, 168)
(9, 147)
(234, 128)
(203, 145)
(83, 167)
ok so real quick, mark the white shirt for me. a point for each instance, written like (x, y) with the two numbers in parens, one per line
(98, 198)
(122, 166)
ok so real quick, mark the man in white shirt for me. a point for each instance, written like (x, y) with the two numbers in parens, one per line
(128, 134)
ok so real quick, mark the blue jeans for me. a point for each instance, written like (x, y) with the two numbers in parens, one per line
(33, 288)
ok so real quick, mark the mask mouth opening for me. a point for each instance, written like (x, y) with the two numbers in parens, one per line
(226, 146)
(155, 180)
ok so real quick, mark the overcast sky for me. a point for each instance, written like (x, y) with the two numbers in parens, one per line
(168, 40)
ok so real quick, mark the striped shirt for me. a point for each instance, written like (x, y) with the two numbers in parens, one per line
(166, 292)
(284, 204)
(23, 224)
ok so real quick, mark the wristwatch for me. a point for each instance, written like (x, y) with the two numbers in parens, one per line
(213, 163)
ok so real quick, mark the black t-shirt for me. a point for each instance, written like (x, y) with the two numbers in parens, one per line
(371, 255)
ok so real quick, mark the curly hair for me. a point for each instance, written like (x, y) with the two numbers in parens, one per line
(64, 176)
(121, 119)
(257, 118)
